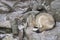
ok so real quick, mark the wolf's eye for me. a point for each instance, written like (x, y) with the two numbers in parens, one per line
(23, 20)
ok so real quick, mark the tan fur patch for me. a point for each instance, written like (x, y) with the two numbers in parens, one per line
(45, 21)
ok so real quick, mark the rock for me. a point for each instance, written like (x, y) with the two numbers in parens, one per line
(23, 0)
(5, 24)
(55, 7)
(2, 17)
(10, 3)
(48, 2)
(4, 8)
(20, 6)
(57, 15)
(8, 37)
(13, 15)
(2, 35)
(35, 4)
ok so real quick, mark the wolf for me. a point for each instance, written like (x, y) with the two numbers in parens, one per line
(39, 22)
(44, 21)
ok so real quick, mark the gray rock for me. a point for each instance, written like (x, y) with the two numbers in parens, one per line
(2, 35)
(35, 4)
(22, 6)
(8, 37)
(10, 3)
(4, 8)
(55, 7)
(2, 17)
(4, 22)
(23, 0)
(13, 15)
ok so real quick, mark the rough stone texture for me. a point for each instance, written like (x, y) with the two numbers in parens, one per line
(8, 37)
(10, 3)
(13, 15)
(6, 6)
(55, 8)
(4, 22)
(3, 8)
(35, 5)
(2, 17)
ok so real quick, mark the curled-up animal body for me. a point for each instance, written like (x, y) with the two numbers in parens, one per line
(44, 21)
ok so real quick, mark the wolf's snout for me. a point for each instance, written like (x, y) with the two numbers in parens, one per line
(36, 29)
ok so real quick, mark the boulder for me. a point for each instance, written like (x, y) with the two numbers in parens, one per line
(55, 7)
